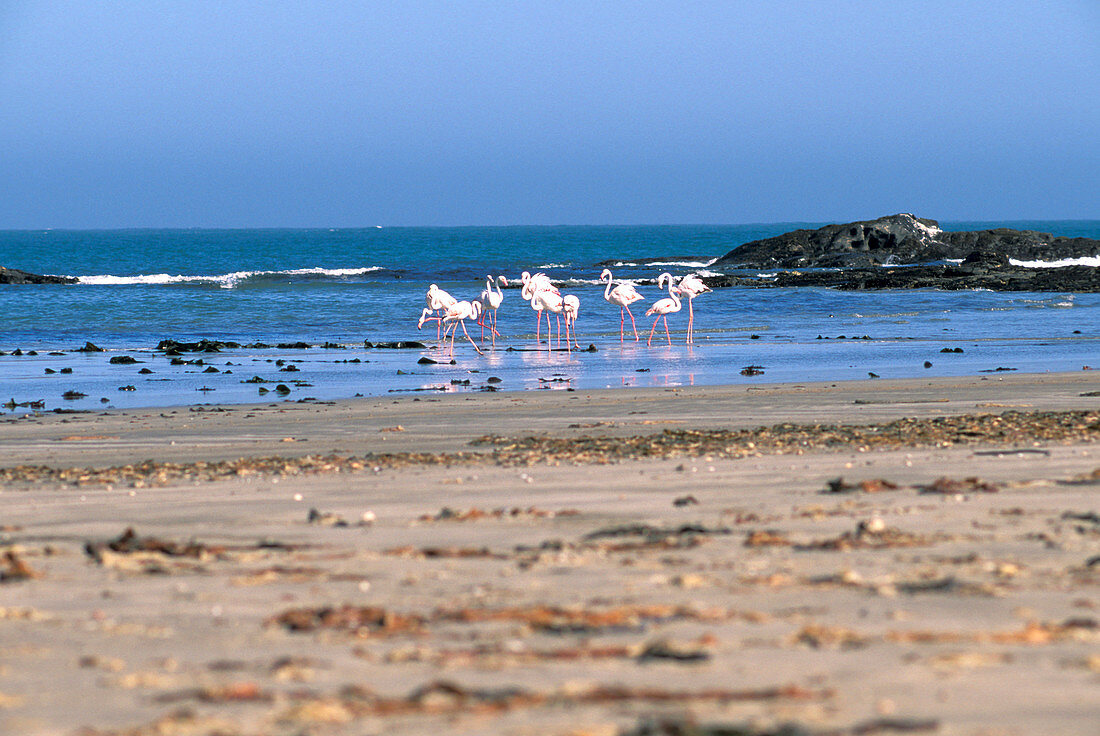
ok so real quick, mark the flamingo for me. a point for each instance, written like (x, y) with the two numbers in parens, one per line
(490, 301)
(664, 307)
(624, 295)
(692, 286)
(533, 286)
(457, 315)
(438, 301)
(548, 301)
(571, 307)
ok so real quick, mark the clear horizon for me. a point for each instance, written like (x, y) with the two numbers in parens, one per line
(240, 115)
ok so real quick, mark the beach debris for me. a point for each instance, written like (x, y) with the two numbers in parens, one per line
(326, 518)
(1013, 428)
(872, 485)
(130, 543)
(682, 501)
(685, 726)
(14, 569)
(871, 374)
(752, 370)
(872, 534)
(767, 538)
(513, 512)
(949, 486)
(817, 636)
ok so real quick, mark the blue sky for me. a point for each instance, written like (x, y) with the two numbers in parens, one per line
(148, 113)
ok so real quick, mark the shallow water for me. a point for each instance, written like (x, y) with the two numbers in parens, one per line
(350, 286)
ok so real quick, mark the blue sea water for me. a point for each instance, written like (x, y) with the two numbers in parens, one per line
(349, 285)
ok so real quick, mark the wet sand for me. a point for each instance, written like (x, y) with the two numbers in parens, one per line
(932, 586)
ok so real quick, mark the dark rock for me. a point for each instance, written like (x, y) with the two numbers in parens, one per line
(123, 360)
(15, 276)
(145, 371)
(427, 361)
(901, 239)
(294, 346)
(399, 345)
(66, 370)
(174, 347)
(927, 364)
(127, 388)
(282, 388)
(50, 370)
(90, 348)
(493, 379)
(17, 352)
(211, 369)
(1081, 279)
(73, 395)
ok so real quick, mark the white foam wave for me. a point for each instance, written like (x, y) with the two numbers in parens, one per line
(679, 264)
(555, 265)
(1083, 261)
(224, 280)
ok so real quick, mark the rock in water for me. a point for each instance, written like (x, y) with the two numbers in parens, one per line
(15, 276)
(901, 239)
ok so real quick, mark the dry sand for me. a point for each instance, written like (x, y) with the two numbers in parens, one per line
(625, 597)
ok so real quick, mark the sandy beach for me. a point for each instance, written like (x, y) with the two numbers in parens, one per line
(903, 556)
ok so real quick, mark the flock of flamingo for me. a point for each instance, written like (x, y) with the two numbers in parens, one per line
(449, 313)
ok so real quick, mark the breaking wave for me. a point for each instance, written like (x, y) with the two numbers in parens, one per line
(1083, 261)
(225, 280)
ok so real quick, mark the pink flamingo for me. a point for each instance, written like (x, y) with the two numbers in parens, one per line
(691, 286)
(664, 307)
(571, 307)
(490, 301)
(624, 295)
(457, 315)
(438, 301)
(532, 287)
(548, 301)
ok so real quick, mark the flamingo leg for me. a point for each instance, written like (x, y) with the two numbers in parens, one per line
(635, 327)
(622, 323)
(691, 321)
(654, 328)
(666, 331)
(467, 334)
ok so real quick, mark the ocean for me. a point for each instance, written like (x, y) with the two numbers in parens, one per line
(345, 286)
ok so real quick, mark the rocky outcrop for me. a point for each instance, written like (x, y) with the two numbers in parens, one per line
(15, 276)
(899, 239)
(976, 274)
